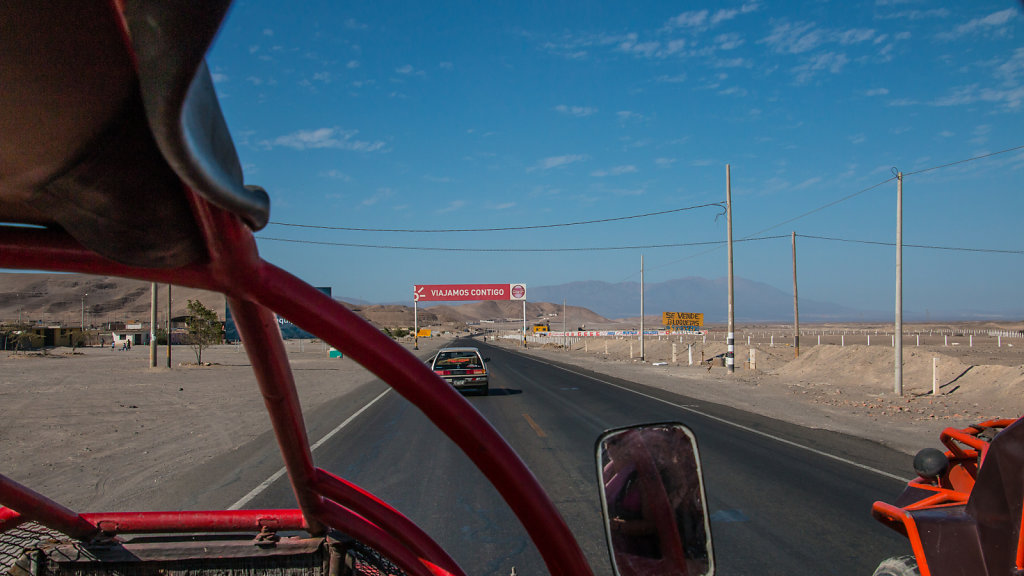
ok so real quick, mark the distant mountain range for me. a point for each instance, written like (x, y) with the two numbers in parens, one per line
(68, 297)
(754, 301)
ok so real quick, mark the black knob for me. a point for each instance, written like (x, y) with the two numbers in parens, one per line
(931, 463)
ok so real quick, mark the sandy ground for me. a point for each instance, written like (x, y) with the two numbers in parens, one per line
(86, 426)
(847, 389)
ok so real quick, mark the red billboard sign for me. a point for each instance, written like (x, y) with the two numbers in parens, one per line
(465, 292)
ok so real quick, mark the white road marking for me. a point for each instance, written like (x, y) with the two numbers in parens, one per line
(739, 426)
(277, 475)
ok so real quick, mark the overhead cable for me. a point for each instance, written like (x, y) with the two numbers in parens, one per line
(720, 205)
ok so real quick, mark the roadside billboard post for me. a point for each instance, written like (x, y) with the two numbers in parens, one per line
(683, 319)
(465, 293)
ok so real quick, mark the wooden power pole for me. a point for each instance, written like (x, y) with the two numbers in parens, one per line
(152, 326)
(796, 305)
(730, 354)
(898, 344)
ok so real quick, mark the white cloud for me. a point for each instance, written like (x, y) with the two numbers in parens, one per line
(728, 41)
(1012, 71)
(556, 161)
(630, 192)
(914, 14)
(877, 92)
(445, 65)
(807, 183)
(994, 22)
(219, 78)
(703, 19)
(505, 206)
(665, 79)
(326, 138)
(578, 111)
(855, 36)
(858, 139)
(828, 61)
(336, 175)
(452, 206)
(352, 64)
(268, 32)
(614, 171)
(1010, 97)
(380, 194)
(795, 38)
(733, 91)
(409, 70)
(665, 162)
(688, 19)
(628, 115)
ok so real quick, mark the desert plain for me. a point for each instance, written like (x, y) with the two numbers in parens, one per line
(97, 428)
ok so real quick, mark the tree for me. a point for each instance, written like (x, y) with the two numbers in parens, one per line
(204, 328)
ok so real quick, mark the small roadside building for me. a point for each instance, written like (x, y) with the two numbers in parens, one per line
(131, 332)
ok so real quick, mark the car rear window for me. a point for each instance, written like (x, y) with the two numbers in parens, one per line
(467, 360)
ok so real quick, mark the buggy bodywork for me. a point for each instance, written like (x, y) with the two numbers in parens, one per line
(965, 515)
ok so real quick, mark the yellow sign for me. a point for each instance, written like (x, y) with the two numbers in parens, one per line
(423, 333)
(682, 318)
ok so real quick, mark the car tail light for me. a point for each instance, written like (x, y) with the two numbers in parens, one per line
(442, 372)
(477, 372)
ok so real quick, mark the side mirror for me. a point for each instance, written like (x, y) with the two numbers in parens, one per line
(652, 499)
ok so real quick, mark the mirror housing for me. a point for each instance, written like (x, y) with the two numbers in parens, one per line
(653, 503)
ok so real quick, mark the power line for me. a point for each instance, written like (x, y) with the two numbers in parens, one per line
(930, 247)
(504, 229)
(822, 207)
(905, 174)
(716, 244)
(510, 250)
(989, 155)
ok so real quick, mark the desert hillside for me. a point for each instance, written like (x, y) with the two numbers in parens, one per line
(60, 298)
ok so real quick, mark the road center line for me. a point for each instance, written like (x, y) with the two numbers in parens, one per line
(277, 475)
(536, 428)
(736, 425)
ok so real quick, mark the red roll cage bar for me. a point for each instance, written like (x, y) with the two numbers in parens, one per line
(172, 85)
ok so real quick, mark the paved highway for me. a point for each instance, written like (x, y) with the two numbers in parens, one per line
(783, 499)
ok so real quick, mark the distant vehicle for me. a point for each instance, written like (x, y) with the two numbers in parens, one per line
(463, 368)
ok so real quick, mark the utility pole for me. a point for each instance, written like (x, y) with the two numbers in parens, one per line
(565, 339)
(796, 305)
(898, 384)
(730, 354)
(641, 307)
(168, 325)
(83, 313)
(152, 326)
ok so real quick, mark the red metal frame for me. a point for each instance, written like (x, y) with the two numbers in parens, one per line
(255, 290)
(953, 488)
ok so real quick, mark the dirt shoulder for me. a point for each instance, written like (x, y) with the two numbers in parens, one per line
(847, 389)
(86, 426)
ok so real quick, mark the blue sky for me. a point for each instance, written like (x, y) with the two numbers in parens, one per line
(457, 115)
